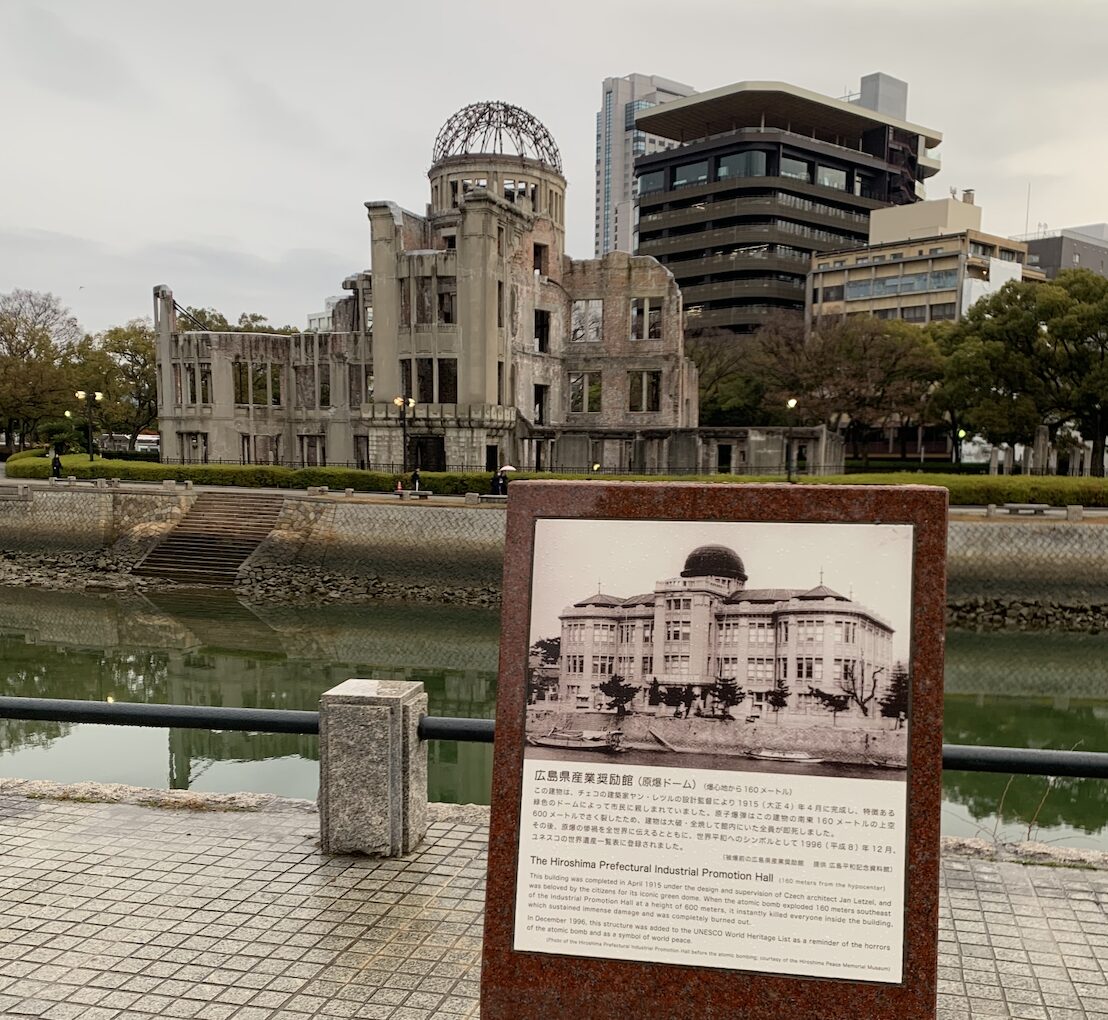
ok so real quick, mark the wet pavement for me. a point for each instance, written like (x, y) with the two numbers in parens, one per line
(117, 910)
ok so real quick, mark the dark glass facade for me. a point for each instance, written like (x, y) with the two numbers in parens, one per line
(737, 216)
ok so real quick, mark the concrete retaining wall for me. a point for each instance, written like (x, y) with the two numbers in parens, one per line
(464, 545)
(84, 517)
(849, 739)
(1032, 559)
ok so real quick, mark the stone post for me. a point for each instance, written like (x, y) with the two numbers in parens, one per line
(994, 460)
(372, 767)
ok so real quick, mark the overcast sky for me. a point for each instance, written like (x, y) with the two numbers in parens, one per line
(226, 147)
(869, 561)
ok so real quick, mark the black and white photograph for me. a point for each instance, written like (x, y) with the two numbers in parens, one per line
(752, 647)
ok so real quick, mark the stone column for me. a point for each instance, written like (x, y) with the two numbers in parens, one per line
(372, 767)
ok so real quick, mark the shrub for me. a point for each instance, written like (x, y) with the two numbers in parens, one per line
(940, 467)
(965, 490)
(38, 451)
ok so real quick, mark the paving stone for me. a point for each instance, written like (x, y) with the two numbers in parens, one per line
(116, 912)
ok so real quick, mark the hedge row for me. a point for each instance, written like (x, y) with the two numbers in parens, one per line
(935, 467)
(978, 490)
(964, 489)
(38, 451)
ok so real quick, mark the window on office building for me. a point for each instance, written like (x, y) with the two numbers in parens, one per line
(795, 168)
(690, 173)
(741, 164)
(830, 177)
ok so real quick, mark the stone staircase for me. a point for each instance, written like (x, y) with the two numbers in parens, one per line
(213, 539)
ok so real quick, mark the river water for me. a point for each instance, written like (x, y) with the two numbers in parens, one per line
(1011, 689)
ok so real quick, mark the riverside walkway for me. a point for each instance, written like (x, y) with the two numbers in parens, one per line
(120, 910)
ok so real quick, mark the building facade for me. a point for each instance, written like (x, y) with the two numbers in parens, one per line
(927, 262)
(475, 340)
(618, 144)
(705, 625)
(1072, 248)
(764, 175)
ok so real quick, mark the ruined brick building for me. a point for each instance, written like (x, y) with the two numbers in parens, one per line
(475, 341)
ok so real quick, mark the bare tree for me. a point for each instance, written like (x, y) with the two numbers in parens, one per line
(859, 686)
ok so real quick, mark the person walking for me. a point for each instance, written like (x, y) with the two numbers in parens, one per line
(56, 465)
(415, 480)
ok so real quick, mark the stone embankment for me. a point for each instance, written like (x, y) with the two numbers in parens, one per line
(108, 571)
(984, 613)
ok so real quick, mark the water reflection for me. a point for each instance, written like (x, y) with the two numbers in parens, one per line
(1019, 690)
(1027, 690)
(213, 650)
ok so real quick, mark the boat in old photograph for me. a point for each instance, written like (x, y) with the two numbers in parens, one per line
(797, 757)
(605, 741)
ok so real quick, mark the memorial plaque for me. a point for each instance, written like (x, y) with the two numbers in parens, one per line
(718, 755)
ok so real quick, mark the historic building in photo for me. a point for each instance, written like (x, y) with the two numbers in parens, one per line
(706, 625)
(475, 340)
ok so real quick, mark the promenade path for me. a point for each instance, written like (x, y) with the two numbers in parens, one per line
(117, 910)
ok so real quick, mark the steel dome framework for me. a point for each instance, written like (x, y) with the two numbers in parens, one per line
(496, 128)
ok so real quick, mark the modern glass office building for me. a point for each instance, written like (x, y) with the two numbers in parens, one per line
(764, 175)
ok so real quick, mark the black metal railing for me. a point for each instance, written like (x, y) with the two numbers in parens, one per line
(956, 757)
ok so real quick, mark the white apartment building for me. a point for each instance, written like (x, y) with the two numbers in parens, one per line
(618, 143)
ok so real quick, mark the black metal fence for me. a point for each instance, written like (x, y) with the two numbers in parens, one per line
(956, 757)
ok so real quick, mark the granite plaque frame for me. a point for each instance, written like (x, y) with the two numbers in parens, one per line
(583, 978)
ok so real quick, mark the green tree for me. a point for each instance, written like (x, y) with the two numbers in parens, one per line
(1037, 354)
(135, 377)
(871, 371)
(36, 334)
(727, 393)
(214, 321)
(619, 694)
(854, 375)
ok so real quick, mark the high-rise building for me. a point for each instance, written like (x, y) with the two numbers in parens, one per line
(618, 143)
(763, 176)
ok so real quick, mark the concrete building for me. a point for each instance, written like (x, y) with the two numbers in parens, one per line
(1071, 248)
(474, 342)
(764, 175)
(705, 625)
(618, 143)
(925, 262)
(321, 322)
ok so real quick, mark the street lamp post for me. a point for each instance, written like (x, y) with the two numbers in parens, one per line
(404, 403)
(791, 405)
(90, 397)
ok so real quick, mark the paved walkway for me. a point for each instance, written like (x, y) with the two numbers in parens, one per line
(122, 911)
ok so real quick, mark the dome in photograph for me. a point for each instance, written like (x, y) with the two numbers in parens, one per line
(496, 129)
(714, 561)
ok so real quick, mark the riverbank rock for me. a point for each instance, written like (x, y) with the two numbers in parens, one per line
(983, 613)
(312, 586)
